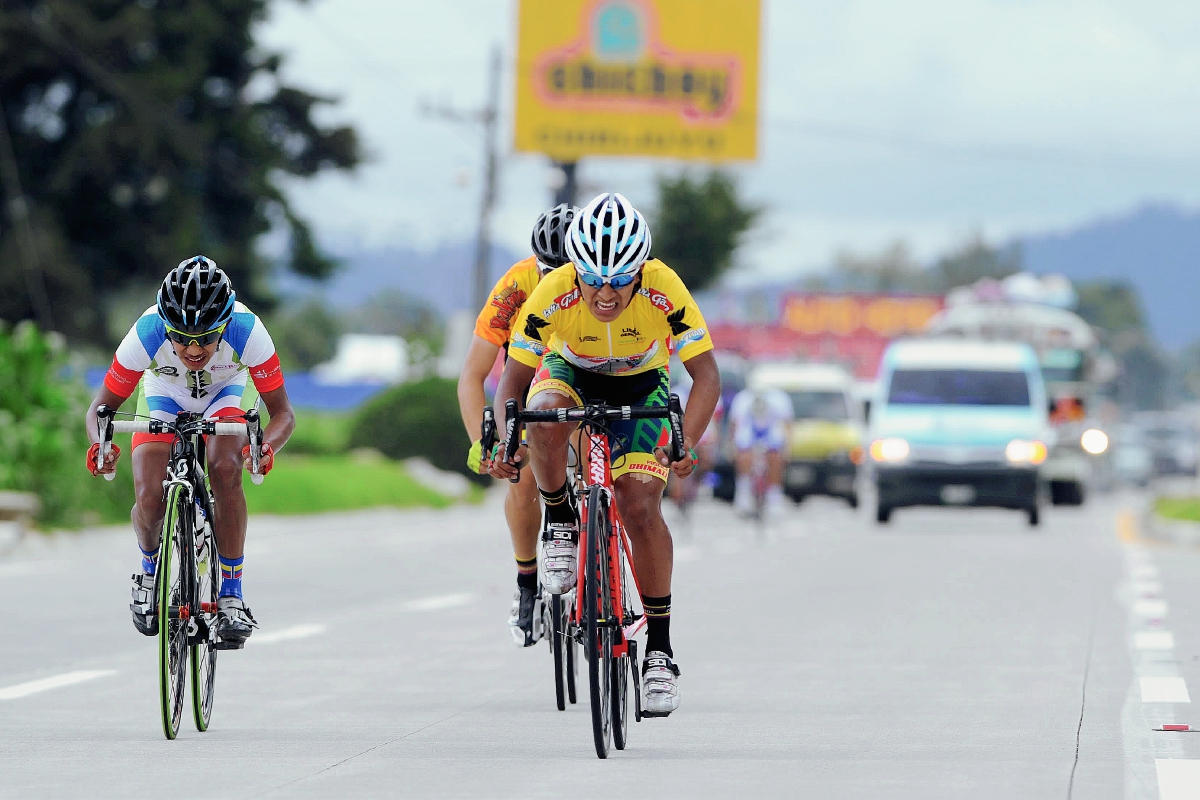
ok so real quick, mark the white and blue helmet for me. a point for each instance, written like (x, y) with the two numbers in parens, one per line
(609, 237)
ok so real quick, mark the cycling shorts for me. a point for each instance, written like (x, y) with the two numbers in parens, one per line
(633, 441)
(750, 436)
(227, 403)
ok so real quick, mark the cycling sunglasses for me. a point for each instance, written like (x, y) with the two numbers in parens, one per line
(202, 339)
(616, 281)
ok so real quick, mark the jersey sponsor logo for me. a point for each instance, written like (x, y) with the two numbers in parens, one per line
(263, 372)
(216, 367)
(507, 304)
(522, 343)
(597, 466)
(169, 371)
(631, 332)
(643, 466)
(589, 338)
(606, 365)
(690, 337)
(678, 326)
(533, 326)
(562, 301)
(657, 299)
(198, 382)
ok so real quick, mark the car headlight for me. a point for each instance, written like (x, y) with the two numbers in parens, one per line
(889, 450)
(1094, 441)
(1020, 451)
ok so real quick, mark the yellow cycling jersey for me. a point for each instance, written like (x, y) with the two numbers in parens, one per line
(662, 318)
(496, 320)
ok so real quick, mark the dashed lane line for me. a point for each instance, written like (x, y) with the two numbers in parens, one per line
(1164, 690)
(288, 634)
(439, 602)
(1178, 778)
(53, 682)
(1154, 640)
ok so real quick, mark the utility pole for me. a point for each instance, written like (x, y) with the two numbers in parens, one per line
(488, 116)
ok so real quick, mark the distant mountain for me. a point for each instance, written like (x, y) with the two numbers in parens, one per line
(442, 277)
(1156, 249)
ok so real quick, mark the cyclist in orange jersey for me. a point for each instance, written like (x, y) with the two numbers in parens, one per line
(493, 329)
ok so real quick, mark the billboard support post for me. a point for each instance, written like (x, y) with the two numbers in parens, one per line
(569, 190)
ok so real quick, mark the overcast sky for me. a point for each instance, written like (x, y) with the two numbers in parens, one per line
(921, 120)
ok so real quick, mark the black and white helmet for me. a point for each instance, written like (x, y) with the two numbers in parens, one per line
(196, 296)
(609, 237)
(550, 235)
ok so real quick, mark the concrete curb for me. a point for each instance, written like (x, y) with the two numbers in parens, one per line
(10, 537)
(1172, 531)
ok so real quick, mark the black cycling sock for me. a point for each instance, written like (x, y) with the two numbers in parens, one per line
(658, 624)
(527, 573)
(558, 505)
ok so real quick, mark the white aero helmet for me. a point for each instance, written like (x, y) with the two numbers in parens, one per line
(608, 238)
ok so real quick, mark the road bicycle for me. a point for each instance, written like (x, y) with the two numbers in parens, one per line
(603, 618)
(187, 582)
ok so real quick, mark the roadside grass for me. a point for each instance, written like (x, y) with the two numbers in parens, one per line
(1182, 508)
(303, 484)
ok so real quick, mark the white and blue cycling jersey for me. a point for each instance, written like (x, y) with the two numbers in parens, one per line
(169, 387)
(760, 418)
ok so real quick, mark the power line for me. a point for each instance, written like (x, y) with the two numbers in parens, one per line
(988, 152)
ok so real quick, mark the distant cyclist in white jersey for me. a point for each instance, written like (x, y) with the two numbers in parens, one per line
(759, 417)
(193, 351)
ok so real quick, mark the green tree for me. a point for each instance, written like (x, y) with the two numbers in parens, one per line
(973, 260)
(141, 133)
(698, 225)
(305, 335)
(1114, 309)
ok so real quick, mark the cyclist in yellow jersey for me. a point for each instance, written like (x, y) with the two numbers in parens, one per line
(493, 330)
(602, 329)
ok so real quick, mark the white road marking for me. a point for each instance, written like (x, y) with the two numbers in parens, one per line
(287, 634)
(1147, 589)
(1164, 690)
(1178, 778)
(1154, 640)
(438, 602)
(53, 682)
(1150, 608)
(1146, 572)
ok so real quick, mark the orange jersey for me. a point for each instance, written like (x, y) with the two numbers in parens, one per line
(496, 320)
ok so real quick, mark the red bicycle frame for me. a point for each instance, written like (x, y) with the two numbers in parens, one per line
(599, 473)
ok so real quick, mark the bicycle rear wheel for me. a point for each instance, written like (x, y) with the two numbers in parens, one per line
(204, 655)
(598, 619)
(620, 674)
(558, 645)
(172, 596)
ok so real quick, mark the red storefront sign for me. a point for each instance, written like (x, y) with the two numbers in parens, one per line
(849, 329)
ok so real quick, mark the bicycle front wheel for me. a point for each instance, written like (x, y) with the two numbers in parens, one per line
(172, 597)
(558, 646)
(204, 654)
(598, 621)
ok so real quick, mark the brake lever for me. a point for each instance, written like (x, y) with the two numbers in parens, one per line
(254, 430)
(104, 429)
(675, 419)
(512, 436)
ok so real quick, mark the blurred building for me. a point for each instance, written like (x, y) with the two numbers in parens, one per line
(363, 358)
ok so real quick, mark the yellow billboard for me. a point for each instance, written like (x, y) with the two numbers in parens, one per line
(667, 78)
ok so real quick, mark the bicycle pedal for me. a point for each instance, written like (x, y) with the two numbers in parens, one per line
(656, 713)
(224, 644)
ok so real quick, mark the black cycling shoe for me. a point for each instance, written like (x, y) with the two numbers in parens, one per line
(526, 623)
(145, 604)
(235, 623)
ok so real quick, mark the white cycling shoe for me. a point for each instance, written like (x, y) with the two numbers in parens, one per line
(558, 562)
(527, 620)
(660, 685)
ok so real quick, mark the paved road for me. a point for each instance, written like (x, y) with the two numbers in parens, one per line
(951, 653)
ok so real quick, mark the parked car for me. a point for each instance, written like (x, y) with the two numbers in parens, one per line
(1172, 440)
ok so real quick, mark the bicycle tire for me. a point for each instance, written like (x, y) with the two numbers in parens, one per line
(620, 677)
(172, 633)
(204, 654)
(558, 647)
(571, 647)
(598, 613)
